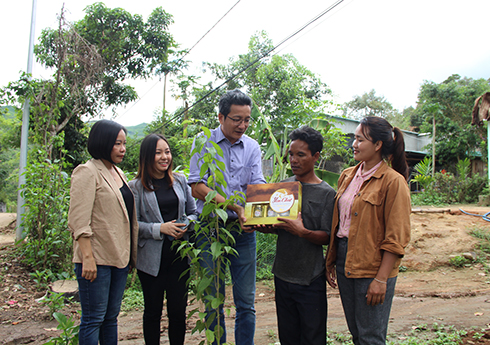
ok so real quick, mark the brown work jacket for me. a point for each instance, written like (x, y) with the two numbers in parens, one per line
(380, 221)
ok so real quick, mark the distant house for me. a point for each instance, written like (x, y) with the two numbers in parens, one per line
(415, 147)
(415, 143)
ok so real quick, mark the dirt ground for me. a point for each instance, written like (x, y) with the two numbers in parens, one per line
(430, 291)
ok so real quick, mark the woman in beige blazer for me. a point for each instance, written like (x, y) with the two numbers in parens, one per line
(102, 219)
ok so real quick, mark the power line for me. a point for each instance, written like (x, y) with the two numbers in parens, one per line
(211, 29)
(311, 29)
(330, 8)
(175, 63)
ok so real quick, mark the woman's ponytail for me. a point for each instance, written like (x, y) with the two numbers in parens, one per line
(393, 149)
(398, 158)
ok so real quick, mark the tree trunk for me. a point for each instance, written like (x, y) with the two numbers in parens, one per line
(69, 288)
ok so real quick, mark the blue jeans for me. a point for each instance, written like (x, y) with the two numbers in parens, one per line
(243, 271)
(100, 301)
(367, 324)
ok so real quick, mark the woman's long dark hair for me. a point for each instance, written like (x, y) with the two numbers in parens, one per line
(146, 167)
(393, 148)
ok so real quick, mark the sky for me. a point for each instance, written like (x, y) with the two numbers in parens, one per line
(391, 46)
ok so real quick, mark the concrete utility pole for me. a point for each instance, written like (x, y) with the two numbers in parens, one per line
(25, 130)
(488, 150)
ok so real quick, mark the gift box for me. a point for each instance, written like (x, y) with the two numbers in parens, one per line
(267, 202)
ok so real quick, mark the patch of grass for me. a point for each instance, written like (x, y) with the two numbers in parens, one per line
(420, 335)
(436, 335)
(272, 335)
(483, 246)
(264, 273)
(266, 252)
(482, 234)
(339, 338)
(269, 283)
(132, 300)
(460, 261)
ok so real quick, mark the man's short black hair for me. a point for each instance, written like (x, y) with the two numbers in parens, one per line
(311, 136)
(236, 97)
(102, 138)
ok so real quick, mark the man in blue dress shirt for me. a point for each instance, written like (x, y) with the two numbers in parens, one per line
(242, 158)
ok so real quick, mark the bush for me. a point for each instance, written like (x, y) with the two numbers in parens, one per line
(428, 197)
(470, 188)
(446, 188)
(47, 245)
(69, 334)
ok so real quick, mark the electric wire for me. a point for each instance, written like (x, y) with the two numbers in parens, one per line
(330, 8)
(175, 63)
(310, 29)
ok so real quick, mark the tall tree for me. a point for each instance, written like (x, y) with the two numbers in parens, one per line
(280, 85)
(455, 138)
(92, 59)
(370, 104)
(287, 93)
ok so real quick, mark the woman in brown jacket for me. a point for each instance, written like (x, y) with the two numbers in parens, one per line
(370, 229)
(102, 219)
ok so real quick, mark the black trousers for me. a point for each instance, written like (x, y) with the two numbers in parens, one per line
(302, 312)
(154, 288)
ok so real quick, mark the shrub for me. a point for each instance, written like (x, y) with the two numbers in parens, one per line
(69, 334)
(47, 245)
(423, 169)
(447, 188)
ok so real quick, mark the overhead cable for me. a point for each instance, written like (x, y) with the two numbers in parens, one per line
(174, 63)
(331, 7)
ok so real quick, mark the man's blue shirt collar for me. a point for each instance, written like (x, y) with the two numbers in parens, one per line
(220, 137)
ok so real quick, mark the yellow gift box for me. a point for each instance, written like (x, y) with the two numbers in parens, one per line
(267, 202)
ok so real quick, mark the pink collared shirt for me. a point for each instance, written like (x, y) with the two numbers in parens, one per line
(347, 199)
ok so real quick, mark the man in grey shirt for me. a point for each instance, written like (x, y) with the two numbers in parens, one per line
(299, 266)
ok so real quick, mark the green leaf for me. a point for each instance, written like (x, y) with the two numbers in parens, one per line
(219, 151)
(211, 195)
(271, 149)
(320, 124)
(210, 336)
(216, 249)
(204, 170)
(215, 303)
(222, 214)
(207, 132)
(208, 209)
(204, 283)
(61, 318)
(221, 165)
